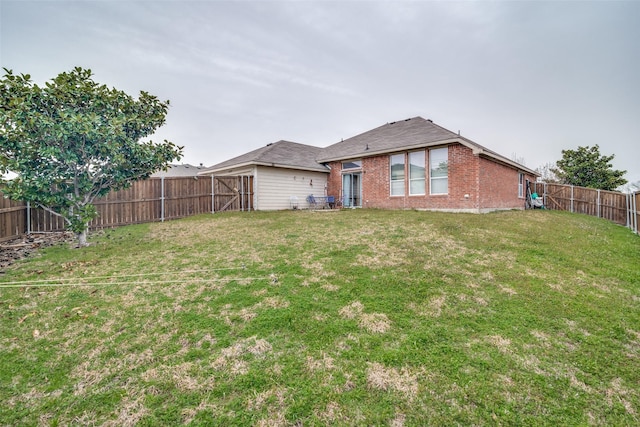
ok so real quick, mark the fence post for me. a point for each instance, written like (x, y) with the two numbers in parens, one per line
(572, 199)
(628, 200)
(634, 202)
(630, 211)
(213, 203)
(162, 199)
(28, 217)
(598, 203)
(249, 193)
(242, 193)
(633, 207)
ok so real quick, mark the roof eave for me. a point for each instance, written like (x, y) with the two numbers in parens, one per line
(477, 150)
(304, 168)
(252, 163)
(371, 153)
(214, 169)
(507, 162)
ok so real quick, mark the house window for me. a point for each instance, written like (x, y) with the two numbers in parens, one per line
(439, 170)
(521, 185)
(352, 164)
(397, 174)
(416, 173)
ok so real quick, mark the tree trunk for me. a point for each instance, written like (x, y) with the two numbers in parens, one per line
(82, 238)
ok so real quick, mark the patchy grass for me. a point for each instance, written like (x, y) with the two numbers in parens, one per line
(361, 317)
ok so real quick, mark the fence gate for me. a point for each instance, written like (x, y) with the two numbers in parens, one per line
(233, 193)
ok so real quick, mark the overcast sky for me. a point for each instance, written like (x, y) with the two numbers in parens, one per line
(525, 79)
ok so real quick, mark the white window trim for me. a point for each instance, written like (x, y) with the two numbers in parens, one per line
(404, 177)
(431, 178)
(424, 177)
(521, 181)
(353, 168)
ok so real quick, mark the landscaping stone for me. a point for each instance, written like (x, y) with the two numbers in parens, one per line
(13, 250)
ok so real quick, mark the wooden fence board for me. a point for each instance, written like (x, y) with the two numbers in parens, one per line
(142, 202)
(634, 213)
(12, 218)
(233, 193)
(609, 205)
(185, 196)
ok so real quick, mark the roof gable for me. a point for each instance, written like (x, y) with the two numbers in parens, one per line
(285, 154)
(408, 134)
(387, 138)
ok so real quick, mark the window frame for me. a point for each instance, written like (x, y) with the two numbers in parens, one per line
(397, 180)
(520, 185)
(422, 179)
(438, 178)
(356, 162)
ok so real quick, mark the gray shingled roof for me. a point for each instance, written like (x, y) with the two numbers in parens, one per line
(408, 134)
(179, 170)
(285, 154)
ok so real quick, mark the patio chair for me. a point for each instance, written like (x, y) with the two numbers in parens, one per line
(293, 202)
(313, 204)
(331, 202)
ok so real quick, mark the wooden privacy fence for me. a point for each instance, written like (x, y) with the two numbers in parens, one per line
(620, 208)
(157, 199)
(150, 200)
(233, 193)
(13, 221)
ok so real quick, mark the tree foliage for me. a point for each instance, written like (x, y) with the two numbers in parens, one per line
(74, 140)
(586, 167)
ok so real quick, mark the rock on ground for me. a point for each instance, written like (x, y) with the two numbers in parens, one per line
(13, 250)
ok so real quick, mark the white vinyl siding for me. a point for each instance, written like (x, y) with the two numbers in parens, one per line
(275, 186)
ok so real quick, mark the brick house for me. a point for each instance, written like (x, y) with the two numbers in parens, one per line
(409, 164)
(278, 176)
(416, 164)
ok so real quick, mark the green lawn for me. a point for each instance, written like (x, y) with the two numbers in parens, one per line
(356, 317)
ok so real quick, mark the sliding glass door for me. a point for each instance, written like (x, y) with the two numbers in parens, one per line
(352, 190)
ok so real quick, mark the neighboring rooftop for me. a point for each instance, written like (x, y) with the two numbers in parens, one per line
(284, 154)
(179, 170)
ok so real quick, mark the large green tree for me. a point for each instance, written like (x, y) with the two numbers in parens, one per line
(74, 140)
(586, 167)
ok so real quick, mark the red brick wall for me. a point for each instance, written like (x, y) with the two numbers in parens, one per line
(475, 183)
(499, 186)
(334, 181)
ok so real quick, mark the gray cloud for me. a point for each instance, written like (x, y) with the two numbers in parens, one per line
(523, 78)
